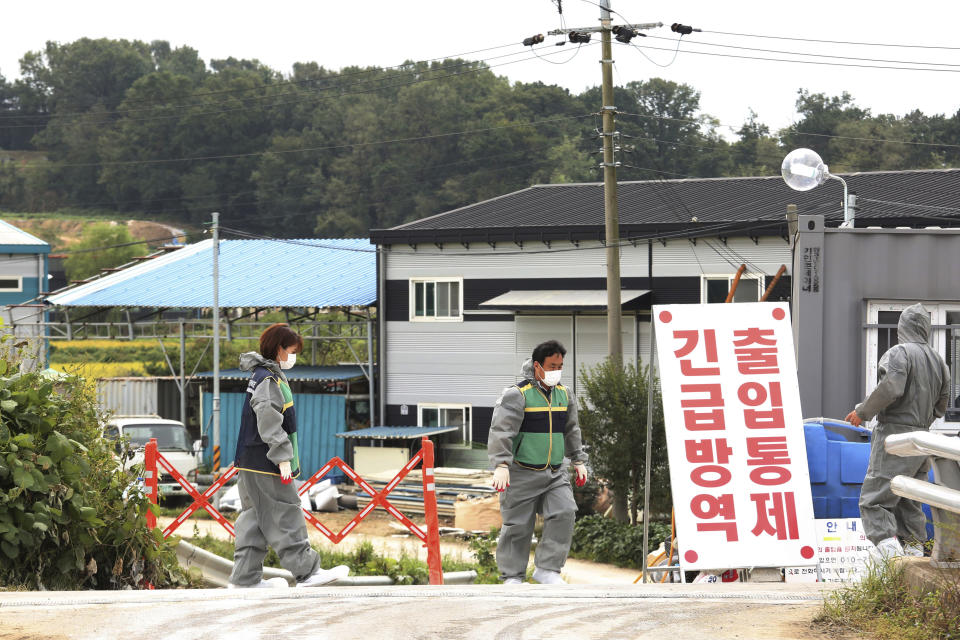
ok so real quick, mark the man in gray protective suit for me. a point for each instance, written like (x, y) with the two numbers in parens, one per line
(534, 427)
(912, 392)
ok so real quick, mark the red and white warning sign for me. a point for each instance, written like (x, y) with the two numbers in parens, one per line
(738, 463)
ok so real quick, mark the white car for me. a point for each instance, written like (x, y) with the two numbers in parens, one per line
(173, 441)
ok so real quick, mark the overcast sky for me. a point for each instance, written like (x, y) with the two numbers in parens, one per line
(387, 32)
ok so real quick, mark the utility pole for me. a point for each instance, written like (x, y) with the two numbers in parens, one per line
(611, 214)
(216, 347)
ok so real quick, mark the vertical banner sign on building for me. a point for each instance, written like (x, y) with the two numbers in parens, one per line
(738, 463)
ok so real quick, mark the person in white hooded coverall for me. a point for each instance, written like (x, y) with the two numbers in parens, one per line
(912, 391)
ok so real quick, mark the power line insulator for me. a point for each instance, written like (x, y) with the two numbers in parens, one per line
(532, 40)
(624, 34)
(682, 29)
(579, 38)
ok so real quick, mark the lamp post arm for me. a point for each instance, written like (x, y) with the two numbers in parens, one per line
(847, 218)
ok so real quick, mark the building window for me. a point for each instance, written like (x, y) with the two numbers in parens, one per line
(11, 284)
(436, 299)
(449, 415)
(715, 288)
(882, 319)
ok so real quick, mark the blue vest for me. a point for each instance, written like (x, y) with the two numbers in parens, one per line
(251, 449)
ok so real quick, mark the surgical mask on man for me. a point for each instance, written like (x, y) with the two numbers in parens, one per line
(552, 378)
(289, 362)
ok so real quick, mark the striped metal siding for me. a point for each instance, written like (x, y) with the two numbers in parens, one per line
(680, 257)
(129, 396)
(319, 418)
(449, 362)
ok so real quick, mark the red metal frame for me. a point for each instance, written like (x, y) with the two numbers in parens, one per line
(424, 457)
(153, 458)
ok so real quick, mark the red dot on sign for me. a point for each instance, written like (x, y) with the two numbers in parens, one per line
(666, 316)
(691, 556)
(806, 552)
(778, 314)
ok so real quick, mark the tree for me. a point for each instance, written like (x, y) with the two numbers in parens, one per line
(101, 246)
(613, 419)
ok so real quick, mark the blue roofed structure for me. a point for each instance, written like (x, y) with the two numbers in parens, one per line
(261, 273)
(299, 373)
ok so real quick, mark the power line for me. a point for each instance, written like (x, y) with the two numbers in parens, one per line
(800, 133)
(333, 77)
(682, 233)
(864, 44)
(482, 67)
(801, 53)
(306, 149)
(813, 62)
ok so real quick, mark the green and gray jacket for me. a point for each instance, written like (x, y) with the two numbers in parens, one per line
(533, 427)
(268, 422)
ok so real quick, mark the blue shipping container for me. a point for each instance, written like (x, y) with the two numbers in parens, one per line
(319, 418)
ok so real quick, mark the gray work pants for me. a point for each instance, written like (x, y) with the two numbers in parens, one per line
(271, 516)
(884, 513)
(531, 492)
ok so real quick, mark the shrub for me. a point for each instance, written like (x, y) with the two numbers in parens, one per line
(613, 417)
(883, 605)
(65, 522)
(605, 540)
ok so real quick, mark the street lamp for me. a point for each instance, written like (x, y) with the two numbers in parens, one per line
(803, 169)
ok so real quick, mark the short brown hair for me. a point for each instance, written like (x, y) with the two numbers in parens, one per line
(276, 336)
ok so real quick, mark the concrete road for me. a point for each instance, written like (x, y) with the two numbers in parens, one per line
(442, 613)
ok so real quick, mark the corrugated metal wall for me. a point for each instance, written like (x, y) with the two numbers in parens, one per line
(128, 396)
(468, 362)
(319, 417)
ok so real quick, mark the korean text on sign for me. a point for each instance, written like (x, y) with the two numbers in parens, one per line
(734, 433)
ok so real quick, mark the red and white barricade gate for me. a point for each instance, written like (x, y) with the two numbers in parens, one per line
(154, 461)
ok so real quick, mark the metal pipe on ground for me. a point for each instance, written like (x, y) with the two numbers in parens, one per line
(216, 570)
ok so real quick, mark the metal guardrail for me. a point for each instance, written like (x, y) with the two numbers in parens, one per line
(943, 496)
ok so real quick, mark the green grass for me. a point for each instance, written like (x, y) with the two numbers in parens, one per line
(364, 561)
(883, 606)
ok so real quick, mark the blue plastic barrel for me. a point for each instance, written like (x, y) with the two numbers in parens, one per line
(837, 457)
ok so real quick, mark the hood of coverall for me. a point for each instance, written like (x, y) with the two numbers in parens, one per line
(914, 325)
(250, 360)
(527, 370)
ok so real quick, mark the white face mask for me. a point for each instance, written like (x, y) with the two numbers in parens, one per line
(289, 362)
(552, 378)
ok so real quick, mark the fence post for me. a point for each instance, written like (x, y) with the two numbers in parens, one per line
(430, 514)
(151, 478)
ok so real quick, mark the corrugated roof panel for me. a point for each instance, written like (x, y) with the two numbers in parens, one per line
(302, 372)
(559, 299)
(883, 195)
(14, 236)
(394, 433)
(253, 273)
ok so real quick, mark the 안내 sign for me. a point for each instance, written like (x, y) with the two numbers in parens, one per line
(738, 463)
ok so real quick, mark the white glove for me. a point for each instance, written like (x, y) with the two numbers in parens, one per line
(285, 472)
(501, 478)
(581, 470)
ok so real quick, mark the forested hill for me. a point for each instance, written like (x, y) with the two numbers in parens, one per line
(144, 129)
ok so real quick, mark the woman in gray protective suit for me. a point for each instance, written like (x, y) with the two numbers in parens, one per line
(911, 393)
(268, 461)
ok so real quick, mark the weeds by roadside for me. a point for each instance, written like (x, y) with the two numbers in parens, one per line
(884, 606)
(363, 560)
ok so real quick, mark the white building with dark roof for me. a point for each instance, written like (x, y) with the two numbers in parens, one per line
(465, 295)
